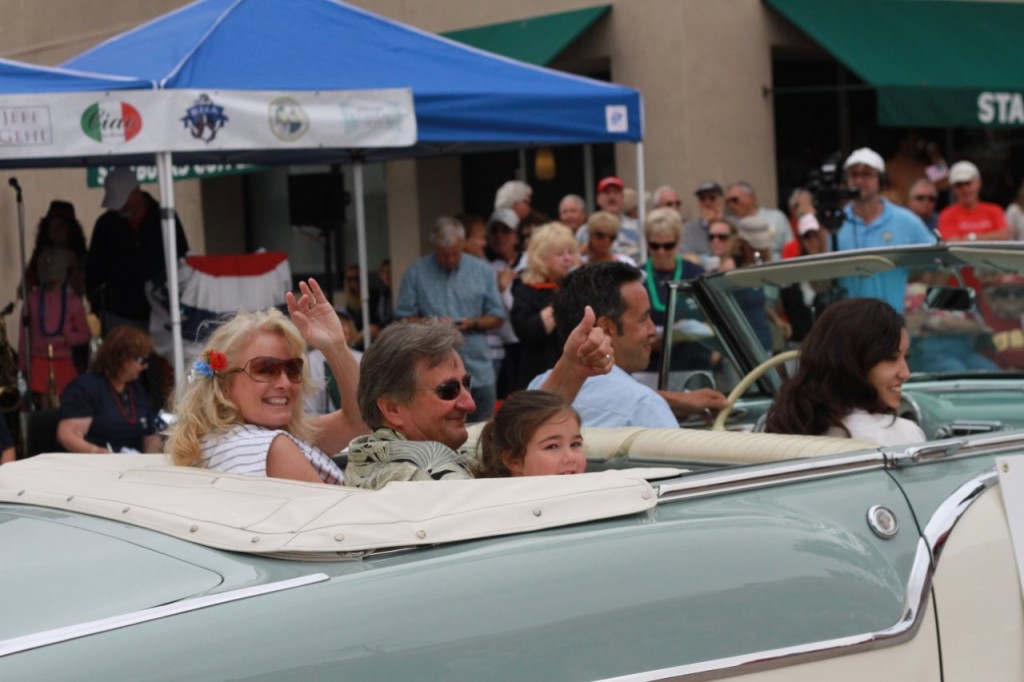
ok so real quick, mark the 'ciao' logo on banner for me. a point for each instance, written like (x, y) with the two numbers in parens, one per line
(111, 122)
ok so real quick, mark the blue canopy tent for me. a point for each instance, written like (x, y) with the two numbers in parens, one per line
(464, 99)
(18, 78)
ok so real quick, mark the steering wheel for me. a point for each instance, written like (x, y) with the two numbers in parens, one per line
(746, 382)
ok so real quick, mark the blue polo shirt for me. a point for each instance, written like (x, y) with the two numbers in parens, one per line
(896, 226)
(470, 290)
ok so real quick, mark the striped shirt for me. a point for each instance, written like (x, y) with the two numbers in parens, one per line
(243, 449)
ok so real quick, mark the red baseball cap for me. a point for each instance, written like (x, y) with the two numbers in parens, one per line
(610, 181)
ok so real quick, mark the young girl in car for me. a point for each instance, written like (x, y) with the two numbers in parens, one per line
(534, 433)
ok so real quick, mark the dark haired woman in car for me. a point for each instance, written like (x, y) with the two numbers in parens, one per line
(852, 367)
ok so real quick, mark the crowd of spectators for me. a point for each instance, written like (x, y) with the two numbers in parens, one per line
(514, 286)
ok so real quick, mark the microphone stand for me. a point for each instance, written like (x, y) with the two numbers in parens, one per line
(26, 320)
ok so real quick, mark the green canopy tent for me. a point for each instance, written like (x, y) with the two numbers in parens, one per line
(933, 63)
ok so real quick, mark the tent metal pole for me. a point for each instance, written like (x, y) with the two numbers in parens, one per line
(165, 175)
(26, 319)
(588, 176)
(641, 202)
(364, 283)
(521, 173)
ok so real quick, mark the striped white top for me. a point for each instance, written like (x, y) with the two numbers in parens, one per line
(243, 450)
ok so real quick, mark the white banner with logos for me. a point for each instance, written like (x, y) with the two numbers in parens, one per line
(92, 124)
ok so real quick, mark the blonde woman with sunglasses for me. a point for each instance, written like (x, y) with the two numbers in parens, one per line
(242, 409)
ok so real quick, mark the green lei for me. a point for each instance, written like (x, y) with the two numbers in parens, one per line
(652, 287)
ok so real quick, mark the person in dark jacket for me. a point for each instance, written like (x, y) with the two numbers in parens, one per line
(552, 253)
(126, 252)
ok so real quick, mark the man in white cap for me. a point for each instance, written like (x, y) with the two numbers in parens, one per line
(970, 218)
(126, 251)
(871, 222)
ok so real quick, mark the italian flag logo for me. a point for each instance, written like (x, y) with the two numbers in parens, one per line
(111, 122)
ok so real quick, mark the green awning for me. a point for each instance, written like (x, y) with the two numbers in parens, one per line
(934, 63)
(537, 40)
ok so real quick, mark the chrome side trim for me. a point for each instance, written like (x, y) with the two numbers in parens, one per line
(918, 590)
(746, 478)
(1003, 383)
(990, 443)
(949, 512)
(47, 637)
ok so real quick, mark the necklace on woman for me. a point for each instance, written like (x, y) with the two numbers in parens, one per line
(652, 286)
(42, 312)
(120, 398)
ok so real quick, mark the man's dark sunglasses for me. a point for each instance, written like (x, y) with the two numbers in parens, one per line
(451, 389)
(924, 197)
(810, 234)
(264, 369)
(667, 246)
(719, 237)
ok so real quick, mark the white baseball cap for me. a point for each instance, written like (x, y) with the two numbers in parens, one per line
(119, 185)
(808, 223)
(865, 157)
(963, 171)
(505, 216)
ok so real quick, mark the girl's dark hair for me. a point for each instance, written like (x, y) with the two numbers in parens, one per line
(509, 432)
(76, 235)
(850, 338)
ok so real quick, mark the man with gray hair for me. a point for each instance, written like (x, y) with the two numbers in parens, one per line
(741, 201)
(462, 292)
(414, 393)
(572, 211)
(515, 195)
(665, 196)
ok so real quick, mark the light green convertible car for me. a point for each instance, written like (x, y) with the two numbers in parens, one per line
(683, 554)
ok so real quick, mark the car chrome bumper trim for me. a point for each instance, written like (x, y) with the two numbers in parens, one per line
(47, 637)
(918, 590)
(746, 478)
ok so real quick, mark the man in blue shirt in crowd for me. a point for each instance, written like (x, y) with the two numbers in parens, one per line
(872, 222)
(463, 290)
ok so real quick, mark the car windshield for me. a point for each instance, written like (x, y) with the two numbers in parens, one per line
(963, 305)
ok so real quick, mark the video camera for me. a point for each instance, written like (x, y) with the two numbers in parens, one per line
(830, 192)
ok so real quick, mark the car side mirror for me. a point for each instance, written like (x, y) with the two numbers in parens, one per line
(951, 298)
